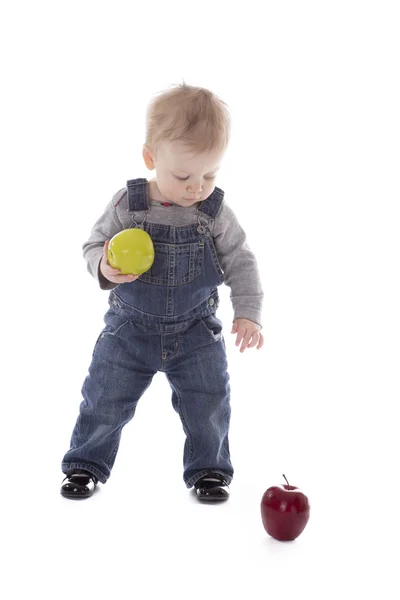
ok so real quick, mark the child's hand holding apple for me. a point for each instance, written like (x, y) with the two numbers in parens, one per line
(113, 275)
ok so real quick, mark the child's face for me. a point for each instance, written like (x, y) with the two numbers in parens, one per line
(183, 177)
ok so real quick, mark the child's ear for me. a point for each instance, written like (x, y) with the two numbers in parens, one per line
(148, 158)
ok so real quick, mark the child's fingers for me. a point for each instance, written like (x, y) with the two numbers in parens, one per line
(125, 278)
(111, 271)
(239, 337)
(128, 278)
(106, 244)
(105, 253)
(105, 250)
(253, 341)
(108, 268)
(245, 342)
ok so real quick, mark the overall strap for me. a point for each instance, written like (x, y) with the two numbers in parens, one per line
(137, 195)
(138, 201)
(211, 206)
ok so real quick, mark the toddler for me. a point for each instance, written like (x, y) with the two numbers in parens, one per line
(165, 319)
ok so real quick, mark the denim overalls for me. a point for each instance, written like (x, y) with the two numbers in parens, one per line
(163, 321)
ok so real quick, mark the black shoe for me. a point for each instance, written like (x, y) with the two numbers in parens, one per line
(78, 484)
(212, 487)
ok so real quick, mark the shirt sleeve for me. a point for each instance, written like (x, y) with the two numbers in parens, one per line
(239, 265)
(104, 229)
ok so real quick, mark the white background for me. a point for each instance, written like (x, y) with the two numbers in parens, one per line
(313, 174)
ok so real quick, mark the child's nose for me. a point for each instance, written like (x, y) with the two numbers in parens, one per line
(194, 188)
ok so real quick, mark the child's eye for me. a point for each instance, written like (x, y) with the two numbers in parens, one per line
(186, 178)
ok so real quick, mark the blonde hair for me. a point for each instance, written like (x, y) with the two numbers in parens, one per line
(192, 115)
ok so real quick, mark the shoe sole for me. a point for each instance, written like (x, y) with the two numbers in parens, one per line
(210, 499)
(75, 496)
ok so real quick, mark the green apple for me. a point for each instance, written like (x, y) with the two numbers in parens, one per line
(131, 251)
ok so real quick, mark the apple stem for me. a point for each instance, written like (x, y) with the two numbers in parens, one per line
(286, 480)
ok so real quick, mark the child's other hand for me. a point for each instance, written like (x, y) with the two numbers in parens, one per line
(113, 275)
(248, 334)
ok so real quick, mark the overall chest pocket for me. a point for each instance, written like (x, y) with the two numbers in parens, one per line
(175, 264)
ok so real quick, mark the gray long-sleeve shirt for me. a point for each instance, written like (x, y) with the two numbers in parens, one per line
(237, 261)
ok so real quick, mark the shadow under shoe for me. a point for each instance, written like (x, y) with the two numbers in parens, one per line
(78, 484)
(211, 488)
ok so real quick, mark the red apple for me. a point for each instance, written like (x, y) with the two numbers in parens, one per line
(285, 511)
